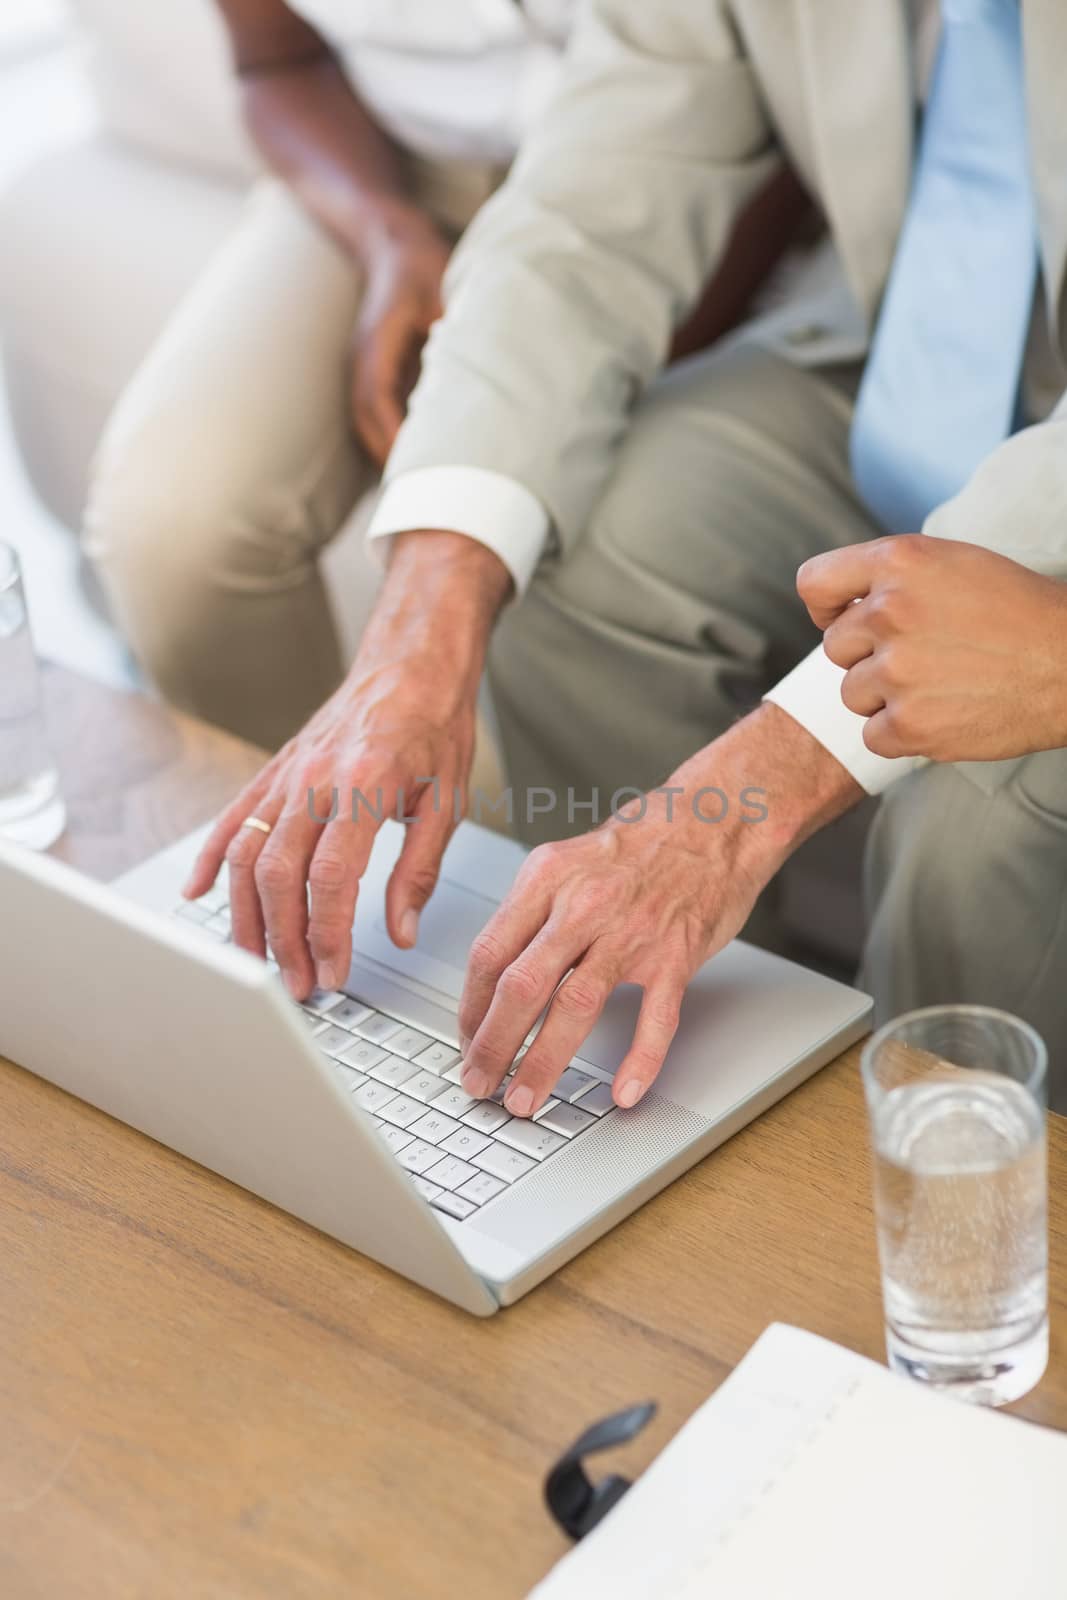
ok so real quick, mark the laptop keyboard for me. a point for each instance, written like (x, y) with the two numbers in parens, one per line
(460, 1153)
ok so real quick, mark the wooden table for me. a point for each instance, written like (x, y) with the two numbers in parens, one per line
(202, 1397)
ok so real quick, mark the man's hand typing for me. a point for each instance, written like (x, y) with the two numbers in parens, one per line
(399, 732)
(646, 898)
(951, 651)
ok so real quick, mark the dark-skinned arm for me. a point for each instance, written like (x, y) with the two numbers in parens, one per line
(312, 130)
(307, 122)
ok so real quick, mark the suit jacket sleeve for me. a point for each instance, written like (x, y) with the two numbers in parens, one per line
(562, 297)
(1016, 502)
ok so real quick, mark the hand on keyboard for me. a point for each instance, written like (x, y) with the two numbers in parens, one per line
(644, 899)
(400, 733)
(459, 1152)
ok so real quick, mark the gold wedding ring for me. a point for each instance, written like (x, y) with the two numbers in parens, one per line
(255, 822)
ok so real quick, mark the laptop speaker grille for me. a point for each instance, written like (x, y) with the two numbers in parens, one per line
(578, 1182)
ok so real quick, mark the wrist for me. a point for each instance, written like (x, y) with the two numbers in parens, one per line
(384, 223)
(774, 785)
(440, 598)
(433, 569)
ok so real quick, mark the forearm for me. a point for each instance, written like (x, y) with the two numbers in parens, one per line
(441, 596)
(314, 133)
(789, 776)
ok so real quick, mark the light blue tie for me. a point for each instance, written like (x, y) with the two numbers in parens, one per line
(942, 379)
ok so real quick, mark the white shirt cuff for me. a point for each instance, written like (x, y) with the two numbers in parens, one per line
(487, 506)
(811, 695)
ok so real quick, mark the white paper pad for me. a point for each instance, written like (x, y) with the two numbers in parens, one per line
(813, 1471)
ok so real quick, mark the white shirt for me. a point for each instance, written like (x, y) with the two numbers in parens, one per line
(508, 519)
(448, 79)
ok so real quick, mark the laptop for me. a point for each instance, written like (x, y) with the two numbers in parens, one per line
(347, 1111)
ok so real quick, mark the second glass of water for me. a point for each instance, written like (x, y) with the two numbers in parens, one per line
(956, 1096)
(31, 807)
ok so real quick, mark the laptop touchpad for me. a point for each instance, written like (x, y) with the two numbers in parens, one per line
(448, 926)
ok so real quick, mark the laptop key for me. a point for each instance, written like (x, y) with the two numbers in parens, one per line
(395, 1138)
(376, 1027)
(597, 1100)
(486, 1117)
(435, 1127)
(313, 1023)
(438, 1058)
(450, 1173)
(409, 1042)
(453, 1073)
(454, 1101)
(373, 1096)
(401, 1111)
(466, 1143)
(348, 1012)
(425, 1086)
(503, 1162)
(323, 1000)
(572, 1083)
(567, 1120)
(418, 1155)
(453, 1205)
(392, 1069)
(348, 1077)
(194, 911)
(482, 1188)
(531, 1138)
(333, 1041)
(361, 1054)
(429, 1191)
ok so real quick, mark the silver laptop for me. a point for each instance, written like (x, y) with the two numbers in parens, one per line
(347, 1112)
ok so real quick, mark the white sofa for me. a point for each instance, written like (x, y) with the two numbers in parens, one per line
(102, 238)
(109, 232)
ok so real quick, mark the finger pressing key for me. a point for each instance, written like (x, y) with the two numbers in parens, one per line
(577, 1005)
(281, 882)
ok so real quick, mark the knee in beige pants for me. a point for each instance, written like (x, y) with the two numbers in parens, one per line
(230, 464)
(219, 595)
(227, 466)
(967, 898)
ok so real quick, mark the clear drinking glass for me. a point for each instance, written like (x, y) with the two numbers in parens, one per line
(956, 1096)
(31, 807)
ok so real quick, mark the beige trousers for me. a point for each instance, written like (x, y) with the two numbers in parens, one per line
(230, 463)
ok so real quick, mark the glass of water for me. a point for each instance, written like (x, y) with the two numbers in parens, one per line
(31, 807)
(956, 1096)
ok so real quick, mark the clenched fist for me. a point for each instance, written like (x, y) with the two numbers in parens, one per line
(951, 651)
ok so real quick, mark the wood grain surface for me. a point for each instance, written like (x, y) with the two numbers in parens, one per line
(135, 774)
(202, 1397)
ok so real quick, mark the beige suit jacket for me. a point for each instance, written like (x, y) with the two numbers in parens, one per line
(562, 299)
